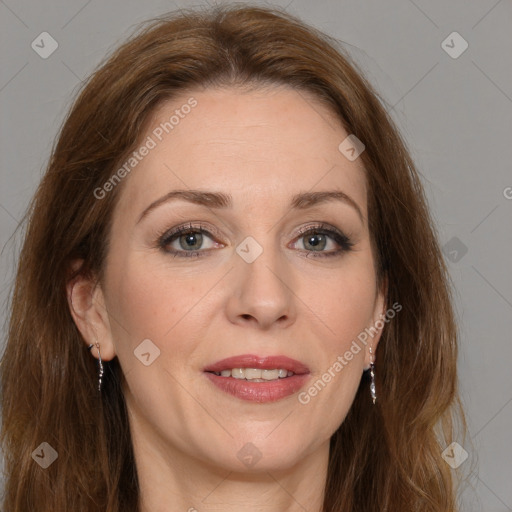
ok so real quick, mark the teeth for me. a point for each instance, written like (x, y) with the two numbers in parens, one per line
(252, 373)
(269, 374)
(238, 373)
(255, 374)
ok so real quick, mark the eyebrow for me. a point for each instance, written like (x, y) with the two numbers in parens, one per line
(219, 200)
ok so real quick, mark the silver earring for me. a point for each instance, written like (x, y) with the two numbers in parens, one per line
(372, 378)
(100, 364)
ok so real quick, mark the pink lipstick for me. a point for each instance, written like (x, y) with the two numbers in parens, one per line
(258, 378)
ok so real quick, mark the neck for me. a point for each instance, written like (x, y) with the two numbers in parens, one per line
(171, 481)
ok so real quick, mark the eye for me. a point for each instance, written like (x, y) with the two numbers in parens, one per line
(322, 240)
(191, 240)
(187, 241)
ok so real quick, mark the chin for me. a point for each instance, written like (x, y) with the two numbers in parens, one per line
(260, 456)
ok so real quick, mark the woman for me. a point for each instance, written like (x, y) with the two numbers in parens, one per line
(231, 295)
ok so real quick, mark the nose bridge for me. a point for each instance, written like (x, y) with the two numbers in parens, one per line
(262, 289)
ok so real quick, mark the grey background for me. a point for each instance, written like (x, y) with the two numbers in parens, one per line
(456, 115)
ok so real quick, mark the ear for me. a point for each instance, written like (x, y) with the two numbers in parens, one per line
(87, 306)
(379, 314)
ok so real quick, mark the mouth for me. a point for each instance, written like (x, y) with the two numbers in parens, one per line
(257, 378)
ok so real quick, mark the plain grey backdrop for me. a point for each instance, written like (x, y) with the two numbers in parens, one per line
(452, 103)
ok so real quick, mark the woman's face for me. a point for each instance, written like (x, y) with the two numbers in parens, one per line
(258, 272)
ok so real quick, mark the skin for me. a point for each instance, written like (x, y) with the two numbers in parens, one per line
(262, 147)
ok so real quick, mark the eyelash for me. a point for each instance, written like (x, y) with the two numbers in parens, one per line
(165, 238)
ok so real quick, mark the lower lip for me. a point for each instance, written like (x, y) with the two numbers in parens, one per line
(270, 391)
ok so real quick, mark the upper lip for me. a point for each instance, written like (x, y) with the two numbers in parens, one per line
(261, 362)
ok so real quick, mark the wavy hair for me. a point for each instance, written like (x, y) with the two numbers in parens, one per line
(385, 457)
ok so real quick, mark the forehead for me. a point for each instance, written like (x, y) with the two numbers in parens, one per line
(261, 146)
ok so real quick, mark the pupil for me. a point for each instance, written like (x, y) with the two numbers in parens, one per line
(191, 242)
(316, 240)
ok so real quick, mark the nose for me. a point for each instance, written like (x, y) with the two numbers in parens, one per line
(263, 291)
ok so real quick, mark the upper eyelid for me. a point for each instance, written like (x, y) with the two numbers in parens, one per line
(188, 228)
(203, 227)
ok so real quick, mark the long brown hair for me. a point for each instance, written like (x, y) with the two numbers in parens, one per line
(385, 457)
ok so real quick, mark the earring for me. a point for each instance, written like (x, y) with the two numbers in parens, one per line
(100, 363)
(372, 378)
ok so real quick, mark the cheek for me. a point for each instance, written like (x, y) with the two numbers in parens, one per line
(346, 308)
(346, 305)
(149, 303)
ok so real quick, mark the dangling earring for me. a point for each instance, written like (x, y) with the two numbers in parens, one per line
(100, 364)
(372, 378)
